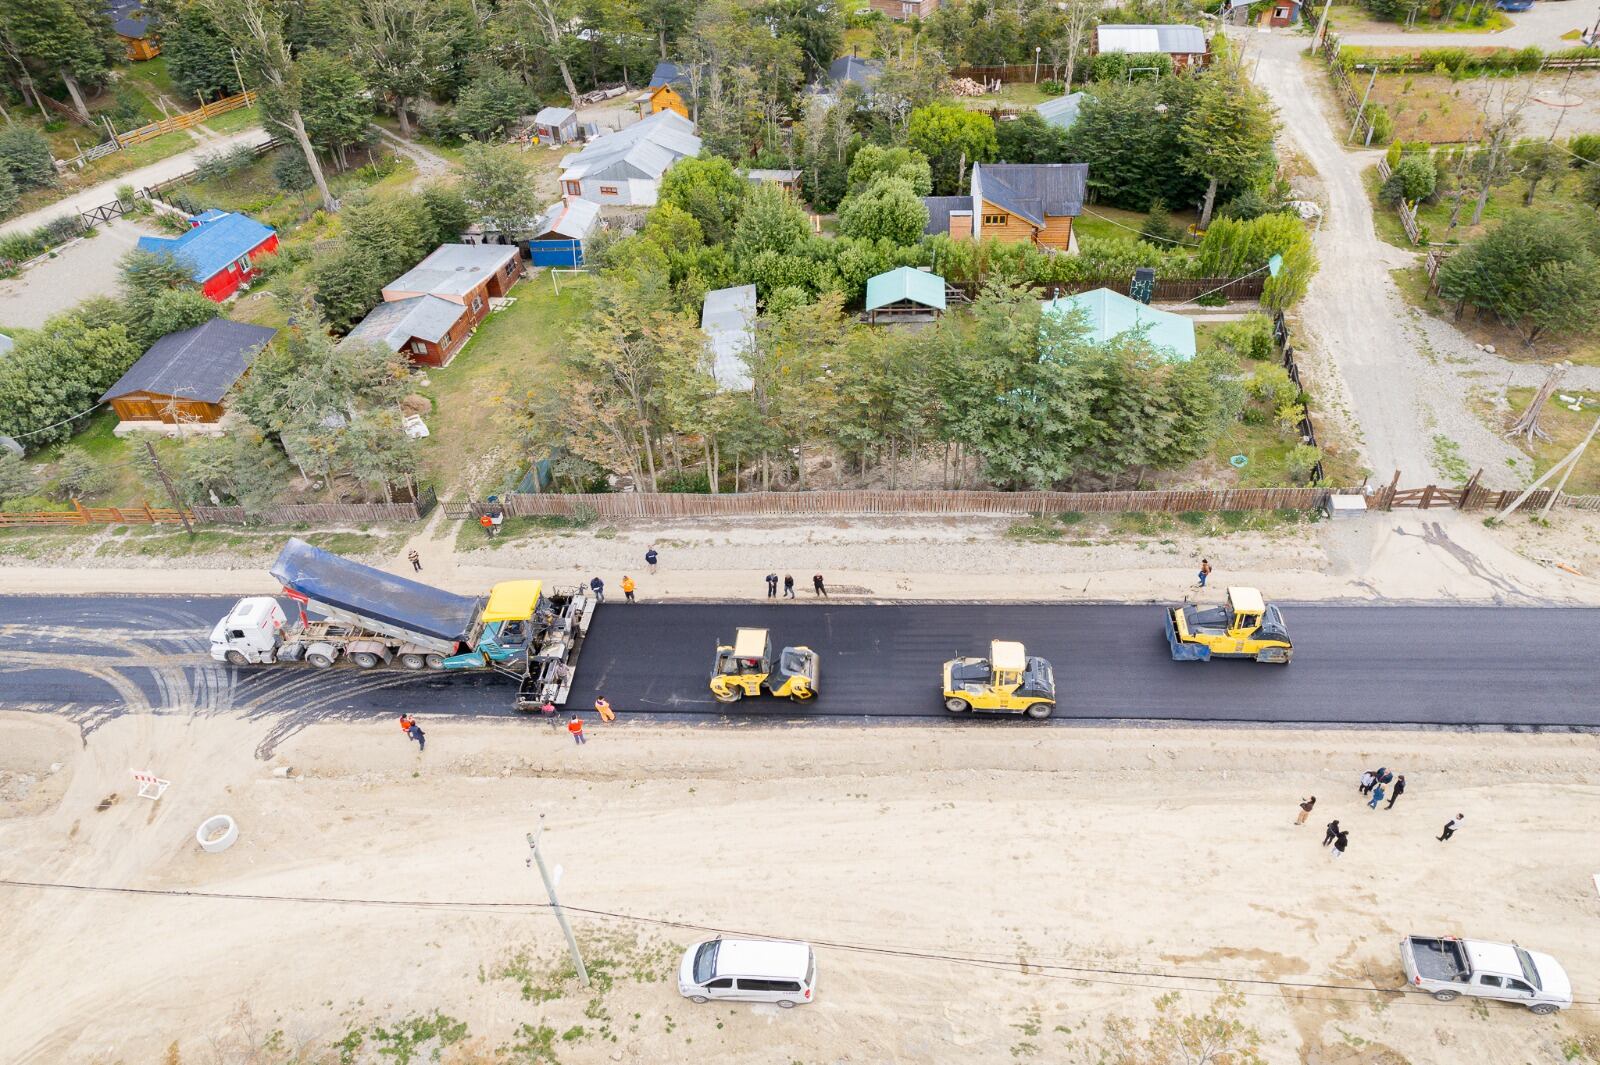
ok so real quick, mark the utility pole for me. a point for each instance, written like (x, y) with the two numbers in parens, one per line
(535, 858)
(1322, 25)
(1362, 110)
(172, 493)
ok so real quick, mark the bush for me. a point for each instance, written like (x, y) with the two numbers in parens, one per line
(25, 154)
(210, 166)
(1382, 123)
(8, 194)
(17, 478)
(1301, 461)
(289, 170)
(80, 474)
(1585, 149)
(1053, 88)
(1158, 228)
(440, 125)
(1271, 387)
(1412, 180)
(1252, 204)
(1117, 66)
(1249, 338)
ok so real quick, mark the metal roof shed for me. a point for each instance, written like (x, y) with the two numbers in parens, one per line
(1110, 314)
(729, 320)
(904, 293)
(1061, 111)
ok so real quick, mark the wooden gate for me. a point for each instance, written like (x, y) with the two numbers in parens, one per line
(1423, 498)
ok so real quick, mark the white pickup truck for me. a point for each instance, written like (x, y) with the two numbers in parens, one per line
(1448, 967)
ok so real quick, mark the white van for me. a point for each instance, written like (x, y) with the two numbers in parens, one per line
(749, 970)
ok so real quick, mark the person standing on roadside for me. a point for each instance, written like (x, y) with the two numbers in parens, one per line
(788, 586)
(1305, 809)
(415, 560)
(1450, 827)
(548, 709)
(1367, 780)
(627, 587)
(1333, 832)
(1340, 842)
(1399, 789)
(1377, 797)
(772, 586)
(414, 731)
(1205, 571)
(603, 708)
(817, 587)
(598, 587)
(650, 558)
(575, 726)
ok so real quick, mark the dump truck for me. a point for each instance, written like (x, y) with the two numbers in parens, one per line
(371, 619)
(746, 667)
(1448, 967)
(1245, 627)
(1007, 682)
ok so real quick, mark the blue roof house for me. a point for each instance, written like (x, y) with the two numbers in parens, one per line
(1109, 314)
(220, 250)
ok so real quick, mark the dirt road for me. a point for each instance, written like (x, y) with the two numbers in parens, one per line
(1542, 25)
(979, 894)
(1408, 399)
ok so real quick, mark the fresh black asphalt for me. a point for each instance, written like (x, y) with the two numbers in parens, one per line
(1500, 667)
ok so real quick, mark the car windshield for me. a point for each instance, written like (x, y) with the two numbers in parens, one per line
(705, 962)
(1529, 970)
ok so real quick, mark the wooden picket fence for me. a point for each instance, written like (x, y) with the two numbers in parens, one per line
(173, 123)
(321, 513)
(864, 502)
(1008, 73)
(143, 514)
(1407, 212)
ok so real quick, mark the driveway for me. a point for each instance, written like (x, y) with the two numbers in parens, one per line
(105, 192)
(1543, 24)
(82, 269)
(1407, 396)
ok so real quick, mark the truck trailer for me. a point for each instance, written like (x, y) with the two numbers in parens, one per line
(372, 618)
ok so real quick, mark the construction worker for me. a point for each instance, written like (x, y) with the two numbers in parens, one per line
(627, 587)
(487, 523)
(603, 708)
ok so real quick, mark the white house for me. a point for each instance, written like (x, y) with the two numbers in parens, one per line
(625, 167)
(728, 320)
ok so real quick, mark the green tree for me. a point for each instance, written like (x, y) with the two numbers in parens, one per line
(1538, 162)
(240, 467)
(257, 29)
(815, 27)
(710, 190)
(25, 156)
(1536, 271)
(57, 373)
(888, 209)
(491, 103)
(873, 161)
(770, 221)
(1129, 135)
(334, 104)
(1227, 133)
(448, 211)
(498, 187)
(952, 138)
(144, 279)
(58, 38)
(398, 43)
(1030, 139)
(196, 52)
(8, 193)
(348, 283)
(79, 474)
(17, 478)
(827, 140)
(1412, 180)
(174, 311)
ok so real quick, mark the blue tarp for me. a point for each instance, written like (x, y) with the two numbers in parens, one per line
(360, 590)
(555, 252)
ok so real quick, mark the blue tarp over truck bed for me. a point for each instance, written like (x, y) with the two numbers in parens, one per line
(406, 606)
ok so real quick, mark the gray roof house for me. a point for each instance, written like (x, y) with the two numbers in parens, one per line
(556, 124)
(1033, 202)
(184, 376)
(625, 167)
(855, 70)
(1060, 111)
(667, 74)
(395, 325)
(728, 318)
(1185, 44)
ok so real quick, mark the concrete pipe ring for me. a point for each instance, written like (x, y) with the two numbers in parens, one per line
(216, 834)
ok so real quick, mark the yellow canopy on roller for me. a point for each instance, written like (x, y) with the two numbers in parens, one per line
(512, 601)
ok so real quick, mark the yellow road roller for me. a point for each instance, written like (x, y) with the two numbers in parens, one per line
(1007, 682)
(745, 667)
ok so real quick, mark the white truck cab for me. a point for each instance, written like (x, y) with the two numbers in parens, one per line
(749, 970)
(250, 633)
(1448, 967)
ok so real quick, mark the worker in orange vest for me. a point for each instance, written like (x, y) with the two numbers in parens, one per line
(575, 726)
(487, 523)
(627, 588)
(603, 708)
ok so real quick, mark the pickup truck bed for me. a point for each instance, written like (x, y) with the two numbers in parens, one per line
(1439, 959)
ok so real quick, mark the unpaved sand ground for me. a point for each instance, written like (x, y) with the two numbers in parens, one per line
(1081, 873)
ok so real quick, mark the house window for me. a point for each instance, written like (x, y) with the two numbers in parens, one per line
(243, 264)
(419, 347)
(994, 219)
(1281, 12)
(608, 190)
(444, 341)
(574, 189)
(477, 304)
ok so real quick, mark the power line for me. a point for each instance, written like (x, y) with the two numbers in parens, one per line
(1142, 236)
(1056, 970)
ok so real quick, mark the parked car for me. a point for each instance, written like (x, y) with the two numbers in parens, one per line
(1448, 967)
(1513, 5)
(749, 970)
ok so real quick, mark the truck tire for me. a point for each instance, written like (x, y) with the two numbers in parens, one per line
(319, 660)
(366, 659)
(237, 658)
(436, 661)
(699, 998)
(729, 694)
(1447, 996)
(957, 706)
(1543, 1009)
(414, 661)
(786, 1004)
(1040, 711)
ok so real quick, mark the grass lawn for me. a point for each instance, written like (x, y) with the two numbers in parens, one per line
(153, 76)
(1017, 96)
(1099, 220)
(1567, 429)
(511, 354)
(234, 121)
(1435, 217)
(1354, 18)
(1430, 107)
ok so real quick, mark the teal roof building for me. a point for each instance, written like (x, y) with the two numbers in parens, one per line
(1110, 314)
(905, 291)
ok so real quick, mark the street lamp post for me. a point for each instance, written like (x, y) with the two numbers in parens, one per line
(1036, 49)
